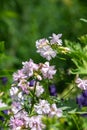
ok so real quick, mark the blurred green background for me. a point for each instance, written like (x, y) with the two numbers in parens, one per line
(22, 22)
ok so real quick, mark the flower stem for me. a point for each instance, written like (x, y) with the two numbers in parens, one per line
(68, 93)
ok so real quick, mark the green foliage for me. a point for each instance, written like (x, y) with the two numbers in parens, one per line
(78, 54)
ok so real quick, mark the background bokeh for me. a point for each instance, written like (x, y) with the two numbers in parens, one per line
(22, 22)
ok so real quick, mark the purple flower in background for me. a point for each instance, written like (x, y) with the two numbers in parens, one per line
(83, 115)
(4, 80)
(2, 105)
(4, 112)
(32, 83)
(84, 93)
(81, 100)
(52, 90)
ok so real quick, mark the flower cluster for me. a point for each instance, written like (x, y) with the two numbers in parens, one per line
(44, 46)
(34, 94)
(29, 104)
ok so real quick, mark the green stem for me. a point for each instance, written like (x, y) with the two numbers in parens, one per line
(33, 100)
(68, 92)
(75, 121)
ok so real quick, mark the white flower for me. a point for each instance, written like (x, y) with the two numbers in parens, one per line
(43, 107)
(54, 111)
(82, 84)
(56, 39)
(48, 71)
(20, 97)
(39, 90)
(13, 91)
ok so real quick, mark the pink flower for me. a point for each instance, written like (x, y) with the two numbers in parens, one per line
(56, 39)
(48, 53)
(41, 43)
(24, 85)
(54, 111)
(44, 49)
(48, 71)
(16, 123)
(29, 68)
(35, 123)
(16, 107)
(19, 75)
(43, 107)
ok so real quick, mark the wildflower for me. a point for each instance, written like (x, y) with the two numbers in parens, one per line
(48, 53)
(19, 120)
(81, 99)
(52, 90)
(16, 107)
(13, 91)
(16, 123)
(43, 107)
(29, 68)
(39, 89)
(56, 39)
(84, 93)
(24, 85)
(41, 43)
(48, 71)
(35, 123)
(54, 111)
(4, 80)
(82, 84)
(44, 49)
(19, 75)
(32, 83)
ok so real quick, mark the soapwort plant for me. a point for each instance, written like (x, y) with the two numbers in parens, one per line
(36, 103)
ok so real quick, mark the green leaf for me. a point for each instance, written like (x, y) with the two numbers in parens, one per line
(5, 108)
